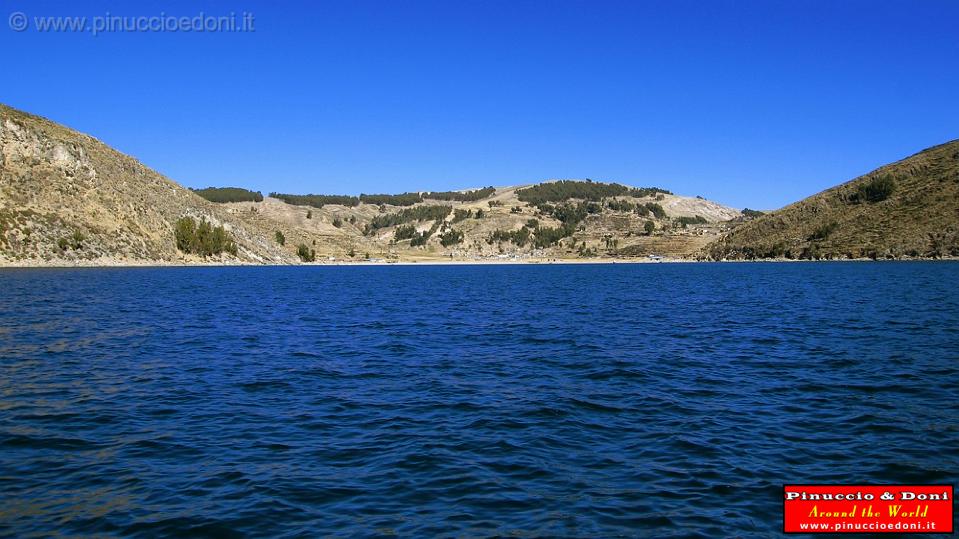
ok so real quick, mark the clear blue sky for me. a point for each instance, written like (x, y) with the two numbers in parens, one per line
(751, 104)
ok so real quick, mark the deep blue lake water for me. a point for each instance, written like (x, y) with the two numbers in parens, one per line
(582, 401)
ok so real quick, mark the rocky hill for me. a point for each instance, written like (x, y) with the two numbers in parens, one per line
(66, 198)
(908, 209)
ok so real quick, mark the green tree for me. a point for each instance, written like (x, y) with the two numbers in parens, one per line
(203, 239)
(452, 237)
(404, 232)
(419, 239)
(649, 227)
(656, 210)
(305, 253)
(280, 238)
(185, 234)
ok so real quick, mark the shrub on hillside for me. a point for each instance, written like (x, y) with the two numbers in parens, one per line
(77, 240)
(877, 189)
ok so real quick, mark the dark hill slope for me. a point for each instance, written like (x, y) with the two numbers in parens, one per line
(909, 208)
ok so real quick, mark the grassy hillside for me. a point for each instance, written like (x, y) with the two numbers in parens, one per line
(906, 209)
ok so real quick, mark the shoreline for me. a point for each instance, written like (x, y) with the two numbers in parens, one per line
(93, 264)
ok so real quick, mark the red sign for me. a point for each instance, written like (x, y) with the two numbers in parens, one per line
(867, 508)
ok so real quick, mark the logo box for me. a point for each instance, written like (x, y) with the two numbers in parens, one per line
(868, 509)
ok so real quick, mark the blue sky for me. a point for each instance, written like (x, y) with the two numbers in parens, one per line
(752, 104)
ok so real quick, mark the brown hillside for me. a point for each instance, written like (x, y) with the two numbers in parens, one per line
(909, 208)
(66, 198)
